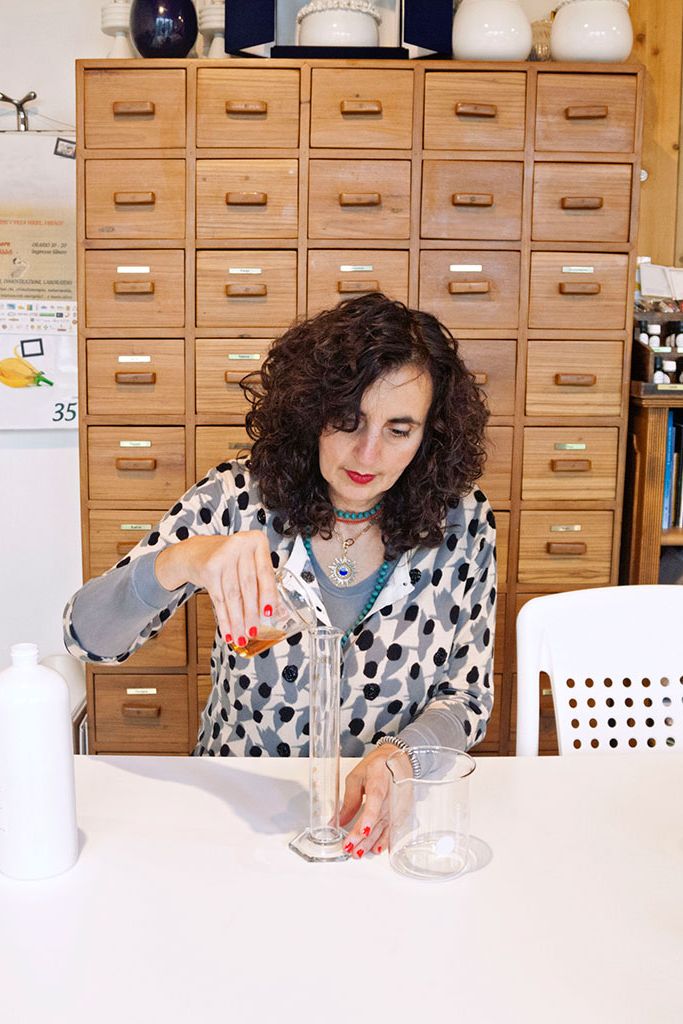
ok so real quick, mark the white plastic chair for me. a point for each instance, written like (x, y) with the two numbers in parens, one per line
(615, 660)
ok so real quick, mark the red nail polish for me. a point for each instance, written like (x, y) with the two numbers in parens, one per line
(228, 637)
(241, 641)
(359, 853)
(348, 847)
(366, 830)
(253, 631)
(267, 611)
(379, 849)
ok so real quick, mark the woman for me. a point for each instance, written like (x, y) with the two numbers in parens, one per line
(368, 438)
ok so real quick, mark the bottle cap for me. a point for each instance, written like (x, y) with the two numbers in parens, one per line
(24, 654)
(654, 329)
(669, 364)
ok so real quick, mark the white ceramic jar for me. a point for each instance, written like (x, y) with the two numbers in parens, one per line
(491, 30)
(338, 23)
(597, 30)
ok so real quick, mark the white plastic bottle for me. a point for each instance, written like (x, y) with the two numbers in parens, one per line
(38, 831)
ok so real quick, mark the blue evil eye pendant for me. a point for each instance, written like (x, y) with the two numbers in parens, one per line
(342, 571)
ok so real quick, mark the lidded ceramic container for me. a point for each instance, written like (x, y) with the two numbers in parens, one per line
(338, 23)
(491, 30)
(597, 30)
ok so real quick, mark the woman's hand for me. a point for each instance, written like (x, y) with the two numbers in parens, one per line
(235, 571)
(371, 778)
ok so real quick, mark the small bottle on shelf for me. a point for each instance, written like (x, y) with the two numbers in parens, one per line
(659, 377)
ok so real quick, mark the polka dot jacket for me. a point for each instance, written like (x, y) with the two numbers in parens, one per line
(420, 664)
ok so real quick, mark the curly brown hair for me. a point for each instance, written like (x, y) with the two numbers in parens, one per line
(314, 377)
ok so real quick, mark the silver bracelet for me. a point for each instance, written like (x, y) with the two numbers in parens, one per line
(416, 766)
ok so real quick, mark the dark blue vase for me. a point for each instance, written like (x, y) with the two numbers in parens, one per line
(163, 28)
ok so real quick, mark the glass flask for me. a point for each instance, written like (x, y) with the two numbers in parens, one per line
(429, 816)
(323, 839)
(294, 613)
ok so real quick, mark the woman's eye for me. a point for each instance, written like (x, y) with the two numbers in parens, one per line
(399, 433)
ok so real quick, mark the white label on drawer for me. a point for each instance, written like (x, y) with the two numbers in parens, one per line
(244, 355)
(132, 270)
(466, 268)
(570, 447)
(136, 526)
(135, 444)
(566, 529)
(135, 359)
(578, 270)
(244, 270)
(352, 268)
(141, 691)
(669, 387)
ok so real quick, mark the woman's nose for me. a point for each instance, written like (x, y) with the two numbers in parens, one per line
(368, 448)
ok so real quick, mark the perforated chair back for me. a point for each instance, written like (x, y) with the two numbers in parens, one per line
(614, 656)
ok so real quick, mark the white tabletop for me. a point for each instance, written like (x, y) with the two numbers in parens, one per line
(186, 904)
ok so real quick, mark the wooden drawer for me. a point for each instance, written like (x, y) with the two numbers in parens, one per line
(553, 551)
(495, 483)
(206, 631)
(570, 289)
(238, 108)
(135, 288)
(574, 378)
(336, 274)
(366, 109)
(491, 742)
(359, 199)
(247, 198)
(586, 113)
(135, 109)
(204, 687)
(570, 463)
(219, 444)
(493, 364)
(114, 532)
(471, 289)
(136, 463)
(133, 377)
(499, 643)
(135, 199)
(141, 713)
(474, 110)
(582, 202)
(471, 199)
(221, 363)
(246, 288)
(502, 545)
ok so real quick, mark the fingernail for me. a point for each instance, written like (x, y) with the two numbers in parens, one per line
(359, 853)
(267, 610)
(367, 830)
(348, 848)
(379, 849)
(241, 641)
(228, 637)
(253, 631)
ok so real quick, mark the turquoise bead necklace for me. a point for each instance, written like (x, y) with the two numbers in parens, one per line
(356, 516)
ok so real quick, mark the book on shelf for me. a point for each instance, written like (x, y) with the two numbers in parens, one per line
(668, 472)
(678, 479)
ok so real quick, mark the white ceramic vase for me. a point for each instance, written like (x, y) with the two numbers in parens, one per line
(598, 30)
(338, 23)
(491, 30)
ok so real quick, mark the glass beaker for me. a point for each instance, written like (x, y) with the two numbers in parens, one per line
(294, 613)
(324, 839)
(429, 816)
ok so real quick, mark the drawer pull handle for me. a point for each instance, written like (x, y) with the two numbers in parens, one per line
(567, 547)
(131, 377)
(476, 109)
(469, 287)
(133, 287)
(571, 465)
(576, 380)
(244, 291)
(582, 202)
(579, 288)
(246, 198)
(123, 549)
(133, 108)
(246, 107)
(236, 376)
(134, 198)
(471, 199)
(361, 106)
(135, 465)
(360, 199)
(141, 710)
(481, 378)
(355, 287)
(593, 113)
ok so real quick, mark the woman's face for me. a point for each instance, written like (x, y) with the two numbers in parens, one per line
(360, 465)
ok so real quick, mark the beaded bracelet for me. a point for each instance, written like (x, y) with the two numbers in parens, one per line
(416, 766)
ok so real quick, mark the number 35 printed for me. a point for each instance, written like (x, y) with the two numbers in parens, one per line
(64, 412)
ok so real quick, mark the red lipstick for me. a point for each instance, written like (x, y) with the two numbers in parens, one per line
(360, 478)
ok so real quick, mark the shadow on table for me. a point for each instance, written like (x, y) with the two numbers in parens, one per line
(269, 805)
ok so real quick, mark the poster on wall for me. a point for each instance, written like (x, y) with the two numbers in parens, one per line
(38, 365)
(37, 219)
